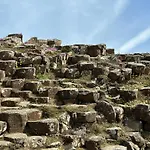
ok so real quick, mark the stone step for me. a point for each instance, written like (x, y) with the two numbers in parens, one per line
(14, 83)
(6, 145)
(7, 55)
(17, 119)
(32, 86)
(39, 100)
(8, 66)
(2, 75)
(5, 92)
(48, 126)
(20, 140)
(23, 94)
(25, 73)
(10, 101)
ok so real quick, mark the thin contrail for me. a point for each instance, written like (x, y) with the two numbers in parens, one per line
(135, 41)
(119, 7)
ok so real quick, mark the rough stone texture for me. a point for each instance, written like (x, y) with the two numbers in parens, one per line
(72, 96)
(94, 143)
(137, 139)
(15, 83)
(137, 68)
(67, 94)
(44, 127)
(95, 50)
(3, 127)
(10, 102)
(115, 147)
(19, 140)
(2, 75)
(26, 72)
(7, 55)
(8, 66)
(88, 96)
(128, 95)
(107, 110)
(36, 142)
(84, 117)
(5, 92)
(6, 145)
(16, 120)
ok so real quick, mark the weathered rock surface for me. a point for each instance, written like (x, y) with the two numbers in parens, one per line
(79, 96)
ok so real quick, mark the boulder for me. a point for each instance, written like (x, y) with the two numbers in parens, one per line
(8, 66)
(2, 75)
(32, 86)
(24, 61)
(16, 120)
(94, 142)
(95, 50)
(145, 91)
(137, 68)
(141, 112)
(14, 83)
(10, 102)
(67, 94)
(5, 92)
(98, 71)
(135, 125)
(130, 145)
(3, 127)
(86, 65)
(114, 75)
(110, 51)
(119, 113)
(7, 55)
(43, 127)
(6, 145)
(137, 139)
(88, 96)
(19, 140)
(128, 95)
(36, 142)
(84, 117)
(77, 58)
(72, 73)
(26, 72)
(107, 110)
(114, 132)
(39, 100)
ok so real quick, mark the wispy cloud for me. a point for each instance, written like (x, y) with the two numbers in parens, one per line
(140, 38)
(109, 18)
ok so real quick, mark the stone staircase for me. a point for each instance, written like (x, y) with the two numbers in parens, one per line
(77, 97)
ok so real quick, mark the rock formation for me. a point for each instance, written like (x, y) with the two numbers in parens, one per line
(82, 97)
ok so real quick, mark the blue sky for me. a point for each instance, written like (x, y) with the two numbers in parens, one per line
(121, 24)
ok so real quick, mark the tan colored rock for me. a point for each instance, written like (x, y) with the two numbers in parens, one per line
(7, 55)
(8, 66)
(36, 141)
(6, 145)
(10, 102)
(2, 75)
(16, 120)
(19, 139)
(5, 92)
(3, 127)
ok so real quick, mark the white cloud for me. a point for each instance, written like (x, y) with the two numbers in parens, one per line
(109, 18)
(142, 37)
